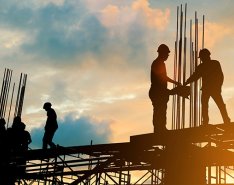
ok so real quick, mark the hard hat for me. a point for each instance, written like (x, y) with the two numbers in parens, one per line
(47, 104)
(163, 48)
(204, 52)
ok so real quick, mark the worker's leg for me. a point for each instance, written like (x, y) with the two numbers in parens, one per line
(45, 140)
(159, 113)
(50, 138)
(222, 107)
(204, 102)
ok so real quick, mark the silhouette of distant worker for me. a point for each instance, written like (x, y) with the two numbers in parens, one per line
(212, 80)
(24, 141)
(13, 135)
(25, 138)
(158, 93)
(50, 126)
(2, 128)
(2, 139)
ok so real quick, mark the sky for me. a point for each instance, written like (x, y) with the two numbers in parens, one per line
(91, 59)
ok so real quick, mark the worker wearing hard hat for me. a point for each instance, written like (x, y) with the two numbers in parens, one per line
(212, 80)
(158, 93)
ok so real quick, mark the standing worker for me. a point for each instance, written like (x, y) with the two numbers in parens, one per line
(158, 93)
(212, 80)
(50, 126)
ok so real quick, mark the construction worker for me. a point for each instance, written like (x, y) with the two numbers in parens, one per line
(13, 135)
(212, 80)
(50, 126)
(2, 130)
(25, 137)
(158, 93)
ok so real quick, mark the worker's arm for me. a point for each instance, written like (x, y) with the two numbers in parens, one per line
(173, 81)
(195, 76)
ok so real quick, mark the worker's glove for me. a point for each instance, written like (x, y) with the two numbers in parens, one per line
(183, 91)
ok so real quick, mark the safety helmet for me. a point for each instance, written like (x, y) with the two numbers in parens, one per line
(47, 105)
(204, 52)
(163, 48)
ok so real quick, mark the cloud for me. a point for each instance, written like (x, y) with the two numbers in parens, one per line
(154, 17)
(12, 38)
(214, 33)
(70, 29)
(59, 39)
(55, 31)
(113, 17)
(56, 2)
(76, 131)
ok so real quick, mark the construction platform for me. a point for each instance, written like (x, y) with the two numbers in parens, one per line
(200, 155)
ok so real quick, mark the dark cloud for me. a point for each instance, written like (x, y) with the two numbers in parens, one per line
(57, 43)
(75, 132)
(63, 32)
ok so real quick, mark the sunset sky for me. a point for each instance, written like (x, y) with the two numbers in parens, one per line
(91, 59)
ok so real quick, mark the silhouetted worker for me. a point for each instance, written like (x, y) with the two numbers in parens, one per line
(158, 93)
(13, 135)
(2, 141)
(50, 127)
(24, 140)
(2, 136)
(2, 129)
(25, 137)
(212, 80)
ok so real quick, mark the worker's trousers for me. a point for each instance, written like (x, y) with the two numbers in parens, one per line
(217, 97)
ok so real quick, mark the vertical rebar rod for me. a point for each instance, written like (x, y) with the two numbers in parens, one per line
(199, 81)
(179, 68)
(191, 86)
(203, 31)
(3, 93)
(17, 99)
(7, 92)
(184, 66)
(1, 96)
(9, 114)
(21, 101)
(196, 83)
(175, 73)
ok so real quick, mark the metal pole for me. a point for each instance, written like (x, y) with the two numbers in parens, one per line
(175, 74)
(7, 92)
(184, 67)
(10, 105)
(17, 100)
(179, 67)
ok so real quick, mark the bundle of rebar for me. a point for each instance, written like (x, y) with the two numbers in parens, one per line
(6, 90)
(180, 70)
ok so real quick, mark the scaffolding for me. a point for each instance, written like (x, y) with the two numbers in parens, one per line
(201, 155)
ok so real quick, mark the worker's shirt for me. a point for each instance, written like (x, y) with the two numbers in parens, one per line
(211, 74)
(158, 77)
(51, 122)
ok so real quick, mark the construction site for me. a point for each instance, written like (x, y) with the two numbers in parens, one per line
(188, 154)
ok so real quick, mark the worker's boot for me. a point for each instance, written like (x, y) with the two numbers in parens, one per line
(224, 114)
